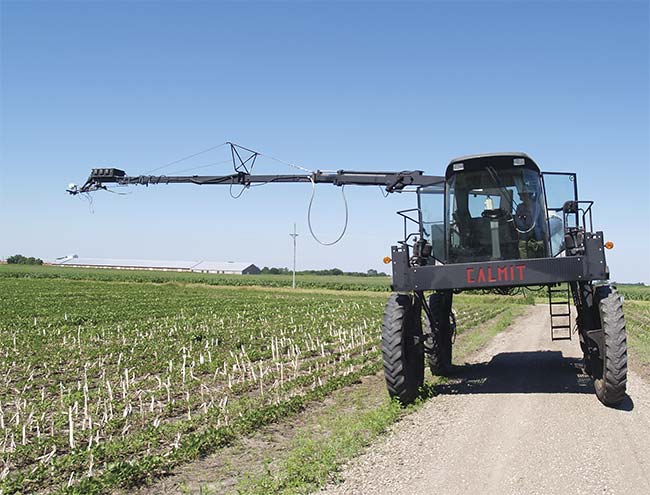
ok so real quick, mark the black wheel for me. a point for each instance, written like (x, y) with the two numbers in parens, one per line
(402, 355)
(610, 381)
(441, 325)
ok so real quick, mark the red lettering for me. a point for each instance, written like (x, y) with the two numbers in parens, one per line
(521, 271)
(495, 274)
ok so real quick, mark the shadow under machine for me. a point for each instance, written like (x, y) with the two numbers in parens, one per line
(494, 222)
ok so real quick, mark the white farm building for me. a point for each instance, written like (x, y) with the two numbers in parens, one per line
(226, 267)
(233, 267)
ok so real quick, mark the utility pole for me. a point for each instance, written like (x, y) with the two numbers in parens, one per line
(294, 235)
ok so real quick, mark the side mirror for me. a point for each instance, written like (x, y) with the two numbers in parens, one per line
(570, 207)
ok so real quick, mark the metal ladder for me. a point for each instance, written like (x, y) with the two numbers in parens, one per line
(559, 304)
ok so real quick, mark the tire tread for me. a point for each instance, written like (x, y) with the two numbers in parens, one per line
(611, 387)
(403, 378)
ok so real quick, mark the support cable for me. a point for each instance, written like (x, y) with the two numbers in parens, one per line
(311, 230)
(199, 167)
(293, 165)
(185, 158)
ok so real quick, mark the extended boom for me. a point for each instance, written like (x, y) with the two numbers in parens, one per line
(392, 181)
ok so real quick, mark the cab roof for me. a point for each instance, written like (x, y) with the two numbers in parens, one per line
(498, 160)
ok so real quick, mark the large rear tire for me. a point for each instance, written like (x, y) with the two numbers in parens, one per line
(441, 327)
(401, 333)
(610, 385)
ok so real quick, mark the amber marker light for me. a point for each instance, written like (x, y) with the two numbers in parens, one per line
(609, 245)
(387, 260)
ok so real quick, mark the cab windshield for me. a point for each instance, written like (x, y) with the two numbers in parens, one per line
(496, 215)
(490, 214)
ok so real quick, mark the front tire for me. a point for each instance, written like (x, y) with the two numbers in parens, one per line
(441, 325)
(401, 333)
(611, 384)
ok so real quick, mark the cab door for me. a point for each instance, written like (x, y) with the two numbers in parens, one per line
(431, 206)
(559, 187)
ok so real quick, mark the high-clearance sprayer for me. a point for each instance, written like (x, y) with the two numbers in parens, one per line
(492, 222)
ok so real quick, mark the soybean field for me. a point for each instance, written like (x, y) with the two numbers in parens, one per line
(334, 282)
(108, 382)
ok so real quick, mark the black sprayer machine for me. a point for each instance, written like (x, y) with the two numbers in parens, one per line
(493, 222)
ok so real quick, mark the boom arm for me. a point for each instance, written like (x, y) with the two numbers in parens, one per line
(392, 181)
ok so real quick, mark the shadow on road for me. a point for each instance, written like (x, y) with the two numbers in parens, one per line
(534, 372)
(547, 372)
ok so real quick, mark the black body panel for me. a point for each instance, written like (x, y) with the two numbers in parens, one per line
(494, 274)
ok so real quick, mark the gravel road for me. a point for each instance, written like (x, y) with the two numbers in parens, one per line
(520, 418)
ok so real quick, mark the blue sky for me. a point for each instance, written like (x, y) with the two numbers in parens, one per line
(326, 85)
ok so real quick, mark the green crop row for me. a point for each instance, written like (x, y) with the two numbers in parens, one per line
(634, 292)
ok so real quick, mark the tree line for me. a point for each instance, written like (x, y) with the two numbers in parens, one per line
(331, 271)
(19, 259)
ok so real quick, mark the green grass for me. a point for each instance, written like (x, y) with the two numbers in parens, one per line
(637, 318)
(471, 341)
(312, 459)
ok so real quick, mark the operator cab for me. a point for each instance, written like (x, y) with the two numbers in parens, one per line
(494, 209)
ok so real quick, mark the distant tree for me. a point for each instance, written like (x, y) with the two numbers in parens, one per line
(19, 259)
(328, 271)
(274, 270)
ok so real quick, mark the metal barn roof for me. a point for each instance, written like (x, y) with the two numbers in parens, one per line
(222, 266)
(179, 265)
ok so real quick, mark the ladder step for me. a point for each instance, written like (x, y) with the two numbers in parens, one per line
(560, 298)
